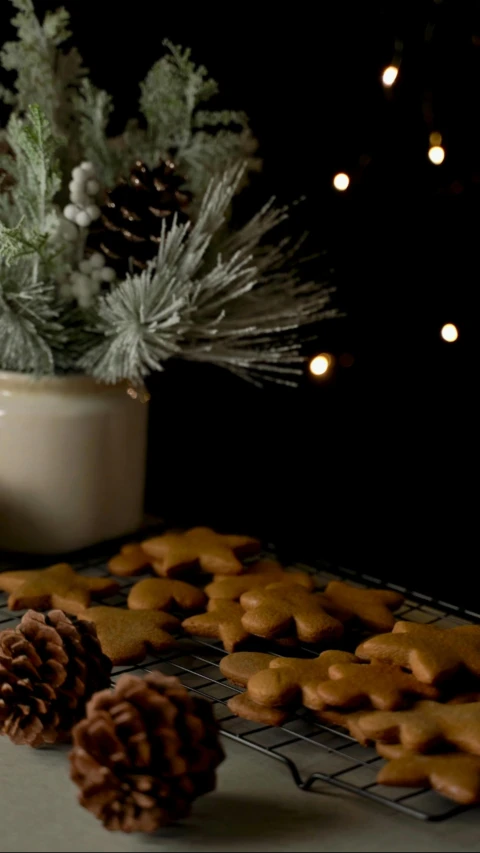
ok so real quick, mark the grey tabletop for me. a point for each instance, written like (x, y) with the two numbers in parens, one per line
(256, 807)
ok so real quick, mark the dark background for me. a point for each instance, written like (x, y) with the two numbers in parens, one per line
(376, 466)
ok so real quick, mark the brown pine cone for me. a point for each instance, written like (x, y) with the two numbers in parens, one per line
(136, 210)
(144, 752)
(49, 668)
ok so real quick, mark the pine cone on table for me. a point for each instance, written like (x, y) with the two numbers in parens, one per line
(144, 752)
(49, 668)
(130, 228)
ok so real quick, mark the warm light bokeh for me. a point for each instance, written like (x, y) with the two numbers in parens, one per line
(449, 333)
(390, 75)
(436, 154)
(319, 365)
(341, 181)
(435, 138)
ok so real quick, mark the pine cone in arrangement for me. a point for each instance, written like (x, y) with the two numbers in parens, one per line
(144, 752)
(49, 668)
(129, 230)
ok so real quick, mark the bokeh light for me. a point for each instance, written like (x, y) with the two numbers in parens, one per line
(449, 333)
(435, 138)
(320, 364)
(341, 181)
(436, 154)
(390, 75)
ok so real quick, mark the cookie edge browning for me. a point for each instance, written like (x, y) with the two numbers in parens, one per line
(241, 678)
(243, 706)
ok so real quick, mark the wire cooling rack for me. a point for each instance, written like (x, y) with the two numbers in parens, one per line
(313, 753)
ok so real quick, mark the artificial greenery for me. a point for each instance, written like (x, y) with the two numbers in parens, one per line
(213, 294)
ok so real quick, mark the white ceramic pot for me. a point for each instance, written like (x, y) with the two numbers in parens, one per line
(72, 463)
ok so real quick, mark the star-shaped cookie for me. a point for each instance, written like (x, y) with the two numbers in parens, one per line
(174, 553)
(432, 654)
(455, 775)
(130, 561)
(128, 636)
(273, 611)
(57, 587)
(427, 726)
(289, 680)
(372, 607)
(164, 594)
(380, 685)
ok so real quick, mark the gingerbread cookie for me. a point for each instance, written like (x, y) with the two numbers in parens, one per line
(455, 775)
(57, 587)
(240, 666)
(381, 686)
(128, 636)
(274, 610)
(291, 680)
(432, 654)
(174, 553)
(243, 706)
(165, 594)
(222, 622)
(427, 726)
(348, 720)
(372, 607)
(131, 560)
(261, 574)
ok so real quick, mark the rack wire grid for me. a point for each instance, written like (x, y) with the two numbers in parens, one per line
(312, 752)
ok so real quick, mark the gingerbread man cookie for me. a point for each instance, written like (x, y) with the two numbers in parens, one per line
(243, 706)
(273, 611)
(432, 654)
(222, 622)
(261, 574)
(174, 553)
(57, 587)
(289, 680)
(348, 720)
(372, 607)
(128, 636)
(454, 775)
(379, 685)
(426, 726)
(240, 666)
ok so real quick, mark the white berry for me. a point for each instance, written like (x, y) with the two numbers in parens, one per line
(78, 174)
(70, 212)
(93, 211)
(78, 197)
(97, 261)
(83, 219)
(84, 267)
(92, 186)
(97, 275)
(108, 274)
(87, 167)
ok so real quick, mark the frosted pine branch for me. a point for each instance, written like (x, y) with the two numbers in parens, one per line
(242, 311)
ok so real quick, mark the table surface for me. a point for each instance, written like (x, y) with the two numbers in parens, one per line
(256, 807)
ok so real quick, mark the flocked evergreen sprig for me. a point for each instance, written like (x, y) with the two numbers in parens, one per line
(235, 298)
